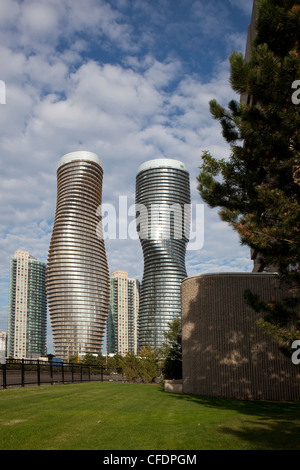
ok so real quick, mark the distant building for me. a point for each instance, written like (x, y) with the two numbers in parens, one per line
(122, 328)
(250, 38)
(27, 319)
(3, 346)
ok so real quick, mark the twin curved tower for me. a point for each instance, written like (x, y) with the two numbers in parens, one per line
(77, 271)
(163, 216)
(77, 277)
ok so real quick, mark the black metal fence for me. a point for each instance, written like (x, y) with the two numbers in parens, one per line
(25, 372)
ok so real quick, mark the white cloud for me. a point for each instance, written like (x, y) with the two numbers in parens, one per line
(38, 19)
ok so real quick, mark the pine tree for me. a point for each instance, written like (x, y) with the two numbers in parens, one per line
(258, 187)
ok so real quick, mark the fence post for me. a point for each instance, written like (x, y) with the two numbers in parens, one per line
(38, 373)
(22, 373)
(21, 364)
(51, 373)
(4, 375)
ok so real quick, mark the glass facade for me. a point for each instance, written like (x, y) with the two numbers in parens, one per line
(27, 321)
(37, 308)
(162, 217)
(77, 273)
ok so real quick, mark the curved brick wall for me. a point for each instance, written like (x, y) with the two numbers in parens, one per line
(225, 354)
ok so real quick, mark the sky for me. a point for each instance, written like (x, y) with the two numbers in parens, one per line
(129, 80)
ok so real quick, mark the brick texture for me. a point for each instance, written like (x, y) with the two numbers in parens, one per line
(225, 354)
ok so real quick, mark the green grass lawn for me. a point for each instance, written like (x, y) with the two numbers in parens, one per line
(112, 416)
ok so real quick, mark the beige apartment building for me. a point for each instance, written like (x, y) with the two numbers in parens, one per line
(122, 327)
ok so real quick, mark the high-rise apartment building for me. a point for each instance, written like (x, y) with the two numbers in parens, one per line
(77, 275)
(122, 327)
(258, 262)
(163, 216)
(27, 320)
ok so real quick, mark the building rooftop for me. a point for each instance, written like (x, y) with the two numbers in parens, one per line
(161, 163)
(79, 155)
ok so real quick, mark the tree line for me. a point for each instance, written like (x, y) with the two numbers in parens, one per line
(149, 365)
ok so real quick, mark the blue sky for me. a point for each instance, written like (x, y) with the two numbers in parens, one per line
(127, 79)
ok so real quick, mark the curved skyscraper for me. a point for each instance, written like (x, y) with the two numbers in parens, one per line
(77, 272)
(162, 217)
